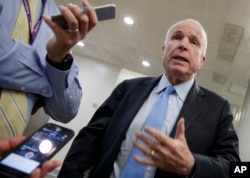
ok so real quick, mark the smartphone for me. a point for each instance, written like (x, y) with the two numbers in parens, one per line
(104, 12)
(37, 148)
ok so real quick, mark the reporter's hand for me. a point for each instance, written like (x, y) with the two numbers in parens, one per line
(164, 152)
(47, 167)
(9, 144)
(79, 24)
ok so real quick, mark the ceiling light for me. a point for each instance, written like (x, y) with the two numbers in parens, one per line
(128, 20)
(80, 43)
(145, 63)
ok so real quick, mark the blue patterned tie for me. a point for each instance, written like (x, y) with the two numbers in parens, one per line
(155, 119)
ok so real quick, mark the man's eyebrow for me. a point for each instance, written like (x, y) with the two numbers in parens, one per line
(177, 31)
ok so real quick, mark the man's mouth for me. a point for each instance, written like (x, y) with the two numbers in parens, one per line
(180, 58)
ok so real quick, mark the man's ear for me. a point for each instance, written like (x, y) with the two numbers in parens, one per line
(162, 52)
(203, 60)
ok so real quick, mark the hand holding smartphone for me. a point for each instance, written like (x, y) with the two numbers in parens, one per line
(104, 12)
(36, 149)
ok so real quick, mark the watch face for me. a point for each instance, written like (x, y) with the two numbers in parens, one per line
(68, 59)
(67, 62)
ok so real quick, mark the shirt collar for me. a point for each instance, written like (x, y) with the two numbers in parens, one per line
(181, 89)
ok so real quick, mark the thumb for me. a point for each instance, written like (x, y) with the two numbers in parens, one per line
(180, 131)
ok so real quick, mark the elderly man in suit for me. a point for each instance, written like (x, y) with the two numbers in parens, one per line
(195, 139)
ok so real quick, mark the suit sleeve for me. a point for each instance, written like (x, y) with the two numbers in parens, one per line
(86, 146)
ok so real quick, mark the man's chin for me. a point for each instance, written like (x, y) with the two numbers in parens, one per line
(179, 71)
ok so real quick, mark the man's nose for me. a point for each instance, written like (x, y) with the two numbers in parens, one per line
(183, 44)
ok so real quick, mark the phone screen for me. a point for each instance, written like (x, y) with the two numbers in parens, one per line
(41, 146)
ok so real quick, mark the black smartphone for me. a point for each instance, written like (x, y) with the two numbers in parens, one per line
(104, 12)
(37, 148)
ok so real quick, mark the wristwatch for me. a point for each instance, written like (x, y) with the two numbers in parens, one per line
(64, 65)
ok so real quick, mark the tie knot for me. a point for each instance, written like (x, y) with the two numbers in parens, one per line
(170, 90)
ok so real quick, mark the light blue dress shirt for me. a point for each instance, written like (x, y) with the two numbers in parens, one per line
(24, 68)
(175, 103)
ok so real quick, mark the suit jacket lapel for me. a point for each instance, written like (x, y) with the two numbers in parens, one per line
(136, 98)
(191, 108)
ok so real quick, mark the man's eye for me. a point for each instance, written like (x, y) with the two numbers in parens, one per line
(195, 42)
(176, 37)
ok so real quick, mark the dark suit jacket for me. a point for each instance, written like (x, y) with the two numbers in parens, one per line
(208, 122)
